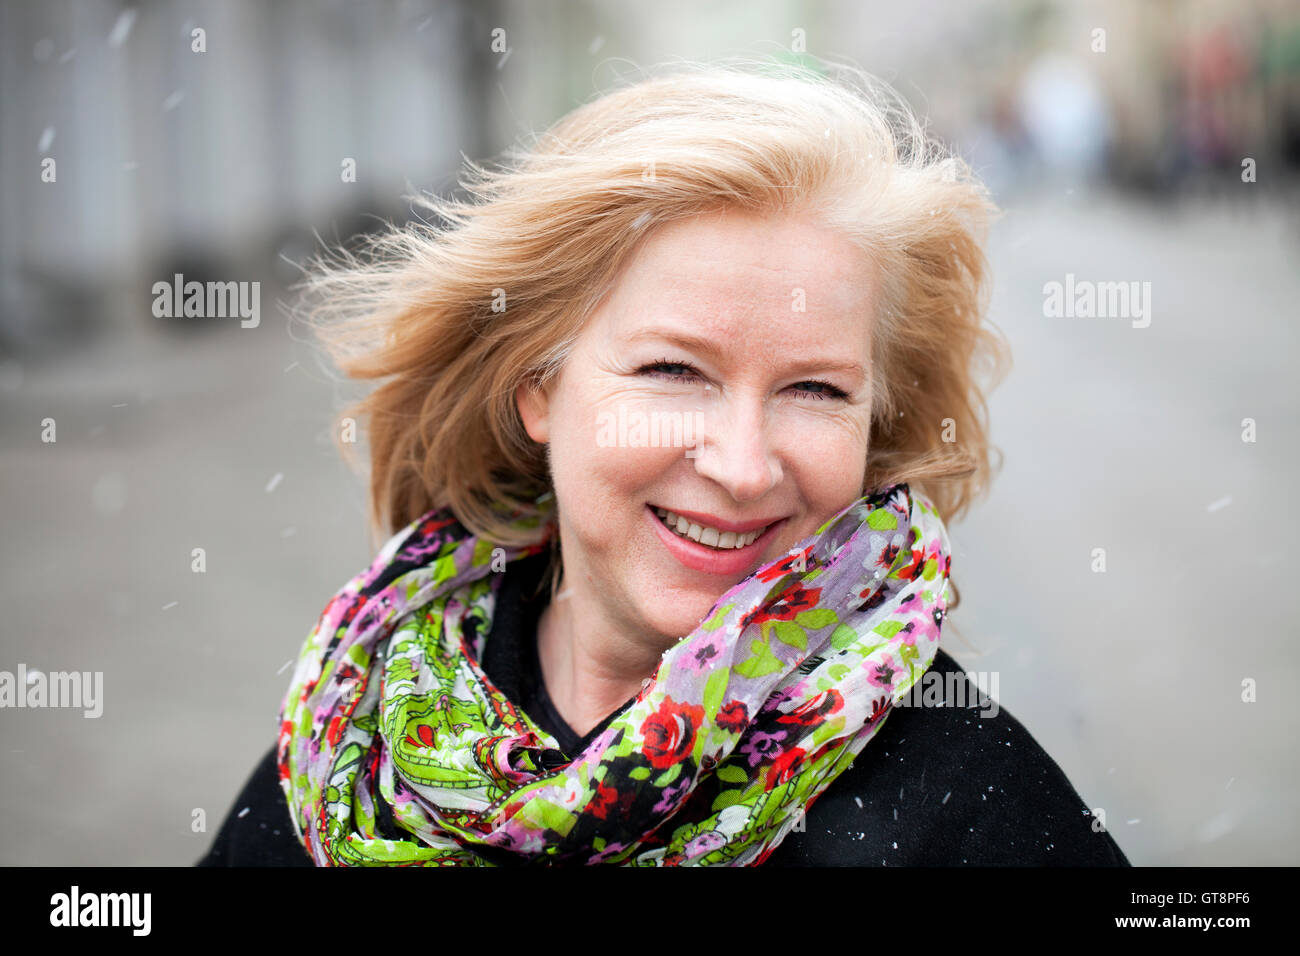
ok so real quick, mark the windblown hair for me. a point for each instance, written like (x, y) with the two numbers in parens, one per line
(549, 229)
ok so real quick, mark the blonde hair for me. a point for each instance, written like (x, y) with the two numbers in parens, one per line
(552, 225)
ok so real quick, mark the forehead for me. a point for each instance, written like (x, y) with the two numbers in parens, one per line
(723, 270)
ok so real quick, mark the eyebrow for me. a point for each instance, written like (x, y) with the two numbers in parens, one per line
(709, 347)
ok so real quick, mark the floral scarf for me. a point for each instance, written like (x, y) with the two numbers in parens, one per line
(746, 721)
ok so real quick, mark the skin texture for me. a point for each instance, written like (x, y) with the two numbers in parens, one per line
(770, 444)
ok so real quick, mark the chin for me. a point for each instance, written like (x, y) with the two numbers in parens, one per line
(680, 612)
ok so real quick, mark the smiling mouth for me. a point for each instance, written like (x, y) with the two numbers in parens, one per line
(708, 537)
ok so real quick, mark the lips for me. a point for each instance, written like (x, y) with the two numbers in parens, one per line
(713, 560)
(708, 535)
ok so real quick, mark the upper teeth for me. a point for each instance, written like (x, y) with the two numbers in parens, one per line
(705, 535)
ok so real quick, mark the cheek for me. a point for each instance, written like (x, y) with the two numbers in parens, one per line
(625, 434)
(810, 438)
(609, 454)
(829, 460)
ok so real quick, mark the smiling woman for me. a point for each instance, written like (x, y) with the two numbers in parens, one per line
(783, 260)
(716, 291)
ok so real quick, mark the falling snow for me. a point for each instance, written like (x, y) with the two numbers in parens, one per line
(122, 27)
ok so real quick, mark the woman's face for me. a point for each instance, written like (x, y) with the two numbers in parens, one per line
(748, 337)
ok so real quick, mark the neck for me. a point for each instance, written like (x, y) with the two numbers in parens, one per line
(589, 668)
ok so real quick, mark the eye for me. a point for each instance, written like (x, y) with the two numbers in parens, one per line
(655, 370)
(684, 371)
(831, 391)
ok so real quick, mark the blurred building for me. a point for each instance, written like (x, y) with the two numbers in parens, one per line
(209, 138)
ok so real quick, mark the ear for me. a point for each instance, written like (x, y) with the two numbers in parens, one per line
(534, 405)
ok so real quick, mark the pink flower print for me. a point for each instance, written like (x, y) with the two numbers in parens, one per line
(926, 624)
(610, 850)
(883, 673)
(671, 794)
(706, 842)
(762, 746)
(701, 654)
(518, 838)
(907, 633)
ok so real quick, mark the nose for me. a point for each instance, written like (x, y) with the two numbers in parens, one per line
(734, 449)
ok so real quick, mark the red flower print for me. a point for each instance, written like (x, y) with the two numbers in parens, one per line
(669, 732)
(733, 716)
(873, 600)
(786, 565)
(788, 605)
(347, 671)
(608, 800)
(352, 610)
(335, 730)
(814, 710)
(784, 767)
(915, 560)
(431, 525)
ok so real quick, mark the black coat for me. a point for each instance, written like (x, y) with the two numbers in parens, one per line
(937, 785)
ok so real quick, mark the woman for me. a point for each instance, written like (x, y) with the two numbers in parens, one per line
(702, 357)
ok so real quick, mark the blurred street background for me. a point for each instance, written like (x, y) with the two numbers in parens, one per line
(1164, 149)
